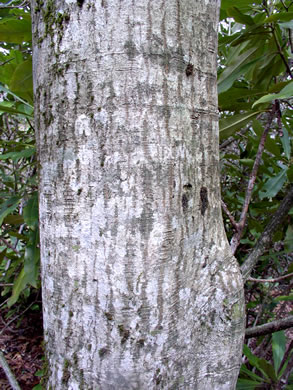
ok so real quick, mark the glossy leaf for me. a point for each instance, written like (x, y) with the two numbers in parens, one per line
(6, 90)
(31, 211)
(30, 271)
(14, 219)
(285, 139)
(15, 156)
(240, 3)
(236, 69)
(279, 348)
(228, 126)
(273, 185)
(287, 25)
(15, 30)
(268, 369)
(282, 298)
(8, 207)
(251, 374)
(237, 97)
(282, 16)
(246, 384)
(22, 81)
(285, 93)
(240, 17)
(288, 242)
(18, 286)
(10, 110)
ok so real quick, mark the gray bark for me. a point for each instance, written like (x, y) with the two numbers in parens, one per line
(140, 288)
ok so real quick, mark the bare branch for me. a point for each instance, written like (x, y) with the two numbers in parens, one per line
(266, 237)
(270, 280)
(229, 215)
(237, 236)
(8, 245)
(271, 327)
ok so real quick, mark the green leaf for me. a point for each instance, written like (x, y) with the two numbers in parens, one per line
(290, 174)
(240, 3)
(31, 211)
(18, 286)
(228, 126)
(285, 93)
(239, 17)
(272, 147)
(244, 371)
(14, 219)
(237, 97)
(279, 348)
(15, 156)
(256, 362)
(31, 262)
(239, 66)
(15, 96)
(247, 384)
(253, 360)
(286, 143)
(7, 107)
(286, 16)
(268, 369)
(8, 207)
(287, 25)
(282, 298)
(29, 274)
(22, 81)
(288, 242)
(15, 30)
(38, 387)
(273, 185)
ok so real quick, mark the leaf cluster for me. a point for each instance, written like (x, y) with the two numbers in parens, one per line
(19, 235)
(255, 87)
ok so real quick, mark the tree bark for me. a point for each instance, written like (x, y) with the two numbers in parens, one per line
(140, 289)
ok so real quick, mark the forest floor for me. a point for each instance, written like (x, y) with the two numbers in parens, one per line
(21, 343)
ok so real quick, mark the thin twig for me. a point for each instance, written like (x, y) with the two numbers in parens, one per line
(241, 224)
(232, 139)
(284, 5)
(5, 62)
(229, 215)
(16, 317)
(270, 280)
(266, 236)
(9, 245)
(281, 53)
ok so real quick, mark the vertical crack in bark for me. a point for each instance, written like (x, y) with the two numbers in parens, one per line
(204, 200)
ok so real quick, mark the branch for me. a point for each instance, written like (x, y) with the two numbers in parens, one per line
(10, 376)
(266, 237)
(229, 215)
(270, 280)
(8, 245)
(237, 236)
(271, 327)
(281, 53)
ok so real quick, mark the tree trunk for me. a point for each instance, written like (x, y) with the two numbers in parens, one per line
(140, 290)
